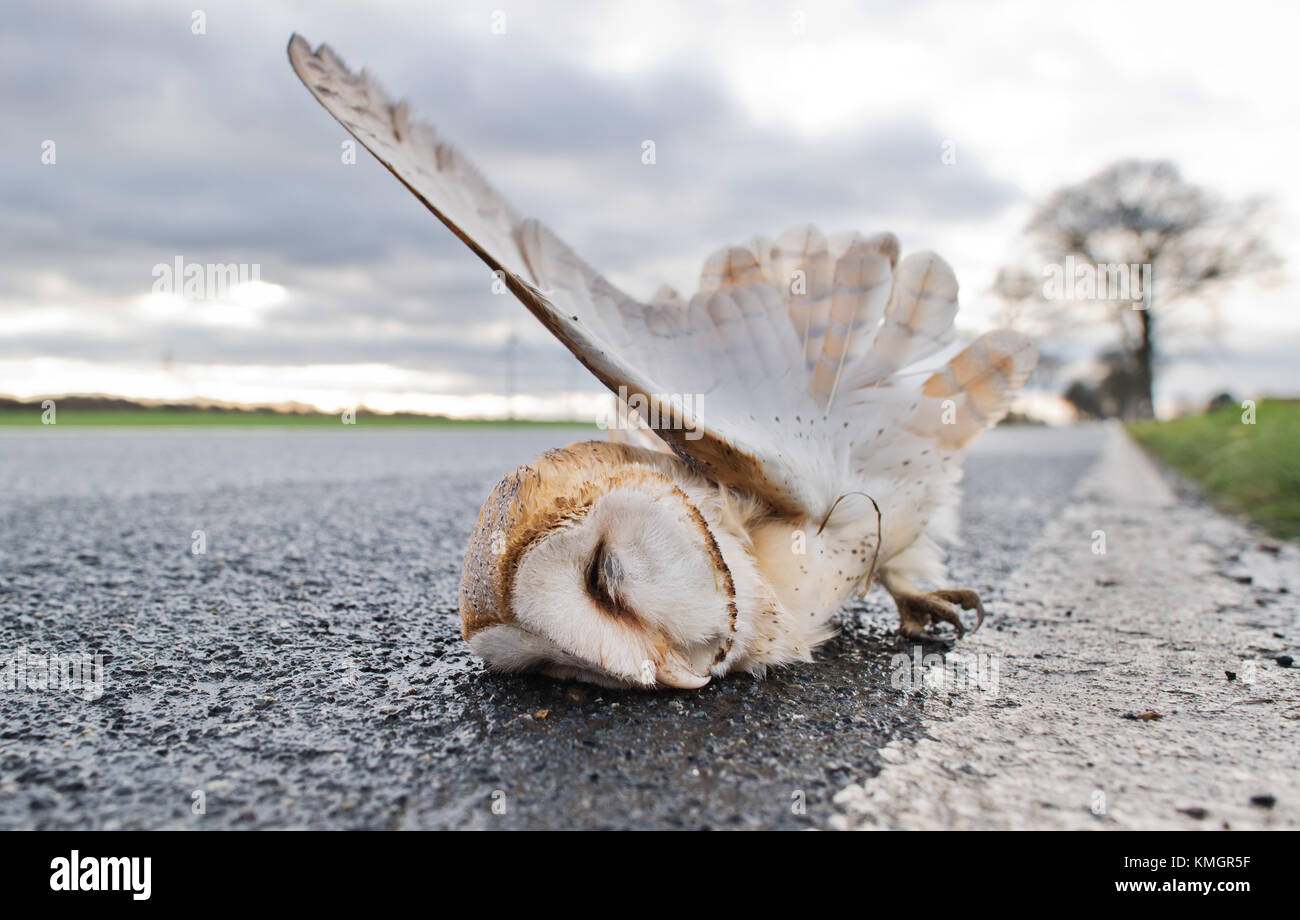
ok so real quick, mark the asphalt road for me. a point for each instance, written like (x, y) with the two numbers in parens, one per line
(1145, 679)
(307, 670)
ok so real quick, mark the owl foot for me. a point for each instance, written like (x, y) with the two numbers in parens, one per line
(916, 611)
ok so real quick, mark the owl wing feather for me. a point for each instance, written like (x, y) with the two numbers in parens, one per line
(779, 377)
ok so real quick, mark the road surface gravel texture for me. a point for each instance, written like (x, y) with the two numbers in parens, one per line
(306, 669)
(1147, 680)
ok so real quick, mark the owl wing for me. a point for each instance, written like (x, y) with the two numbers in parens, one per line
(769, 379)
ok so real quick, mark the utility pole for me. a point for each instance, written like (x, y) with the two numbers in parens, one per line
(512, 348)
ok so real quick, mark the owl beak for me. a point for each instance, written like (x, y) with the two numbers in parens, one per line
(673, 671)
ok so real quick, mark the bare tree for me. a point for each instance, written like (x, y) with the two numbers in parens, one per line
(1140, 223)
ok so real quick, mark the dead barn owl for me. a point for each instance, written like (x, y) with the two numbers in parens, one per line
(786, 454)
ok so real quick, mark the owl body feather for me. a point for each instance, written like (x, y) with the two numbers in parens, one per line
(784, 456)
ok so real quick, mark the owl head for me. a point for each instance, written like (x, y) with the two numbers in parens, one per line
(596, 562)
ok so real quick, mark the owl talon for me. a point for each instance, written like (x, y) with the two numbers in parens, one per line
(917, 611)
(967, 599)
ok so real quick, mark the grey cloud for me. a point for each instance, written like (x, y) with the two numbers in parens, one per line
(208, 147)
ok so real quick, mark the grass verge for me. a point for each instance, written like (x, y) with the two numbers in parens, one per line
(1245, 468)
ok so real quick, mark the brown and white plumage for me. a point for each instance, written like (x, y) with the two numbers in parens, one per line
(725, 528)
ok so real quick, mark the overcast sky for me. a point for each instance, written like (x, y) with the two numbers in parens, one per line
(206, 147)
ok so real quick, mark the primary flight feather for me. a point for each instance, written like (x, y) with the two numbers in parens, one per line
(772, 462)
